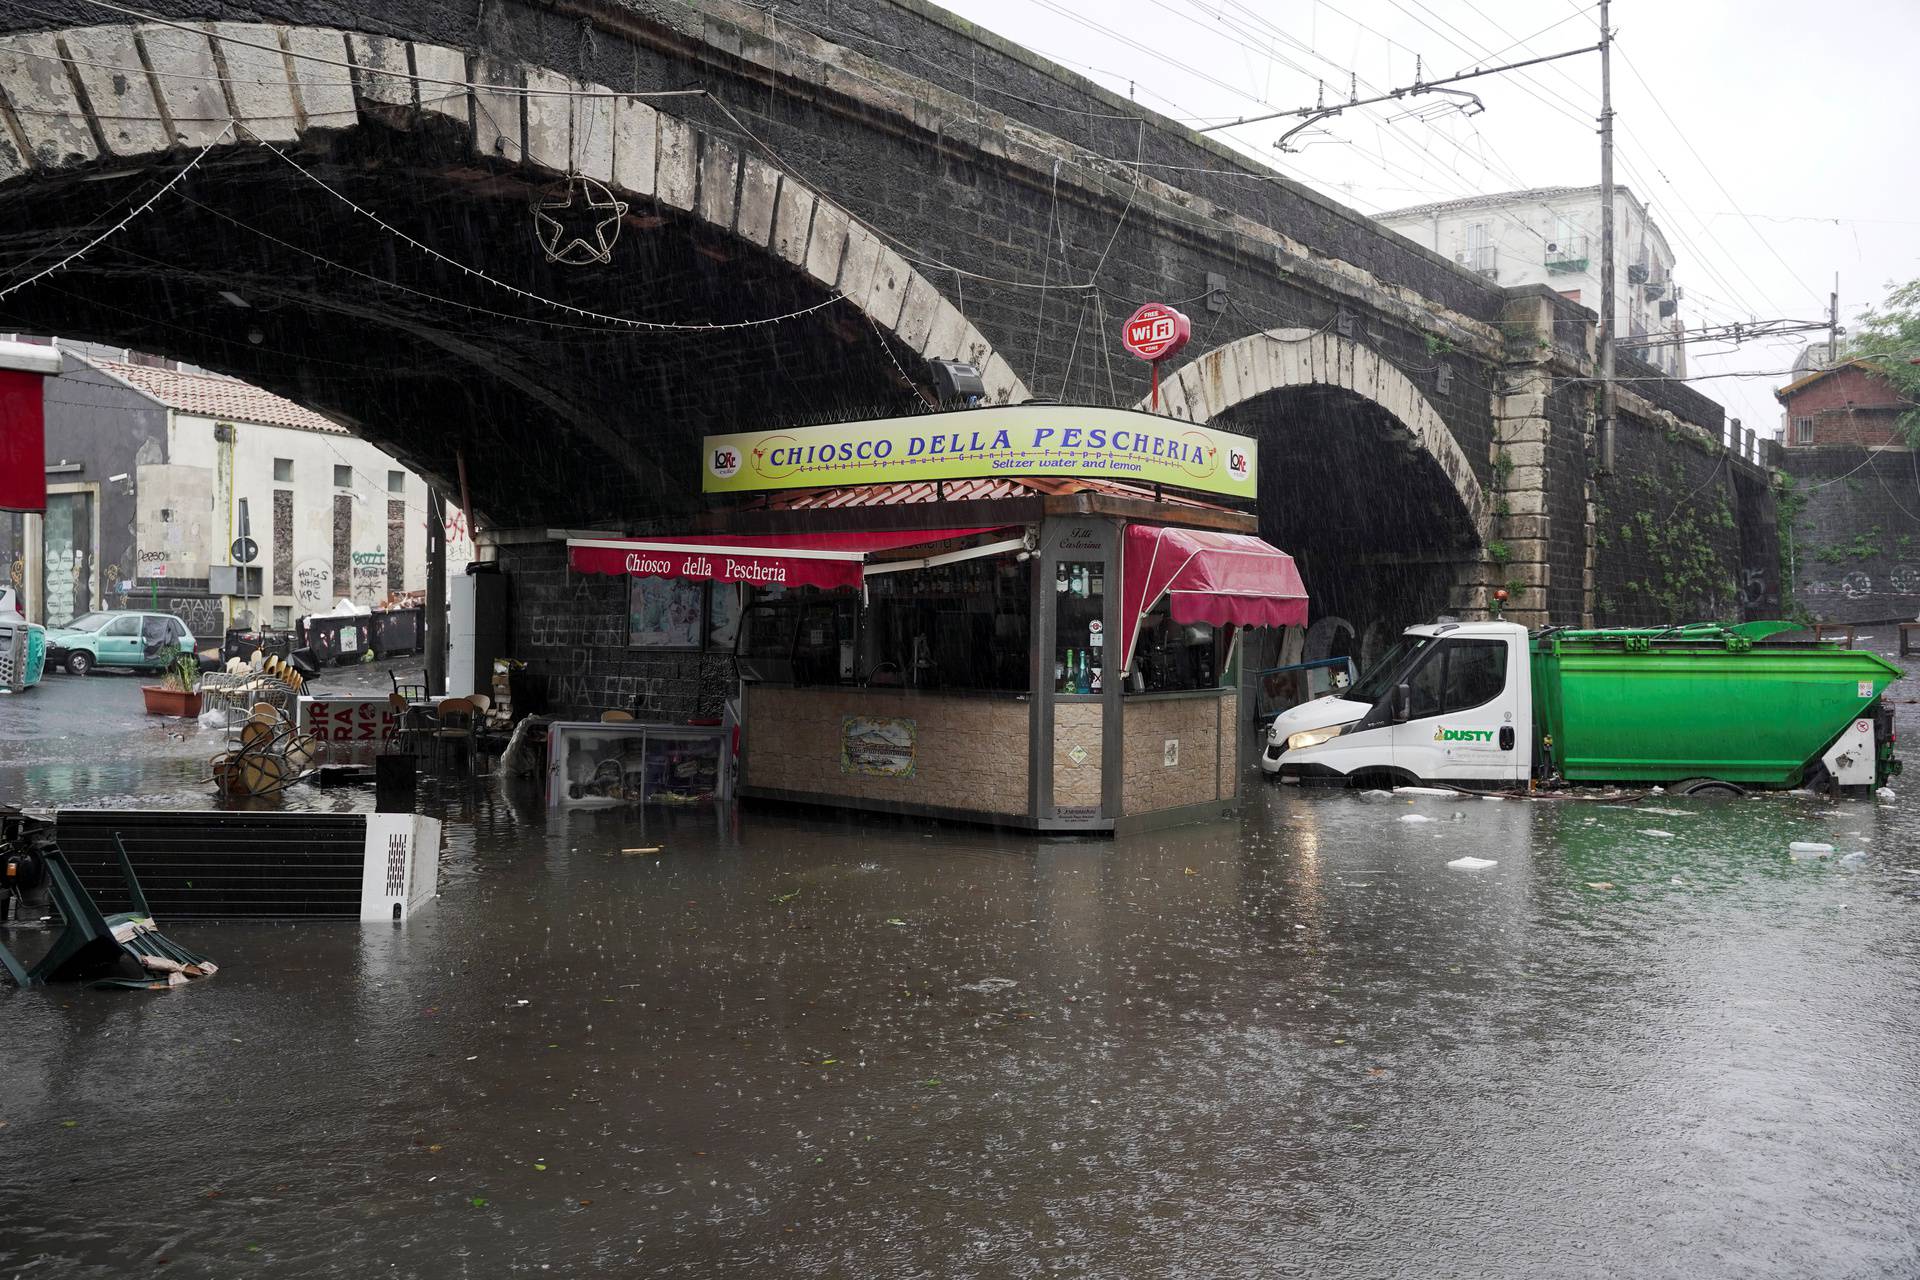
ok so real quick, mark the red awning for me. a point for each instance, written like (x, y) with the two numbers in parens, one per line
(1222, 578)
(825, 560)
(23, 461)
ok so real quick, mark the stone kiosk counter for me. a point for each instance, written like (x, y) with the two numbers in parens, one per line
(1052, 651)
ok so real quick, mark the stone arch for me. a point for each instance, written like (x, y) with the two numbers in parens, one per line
(121, 95)
(1280, 358)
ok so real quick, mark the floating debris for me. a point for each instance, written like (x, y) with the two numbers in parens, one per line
(1472, 864)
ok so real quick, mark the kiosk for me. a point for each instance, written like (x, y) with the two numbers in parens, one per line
(1024, 616)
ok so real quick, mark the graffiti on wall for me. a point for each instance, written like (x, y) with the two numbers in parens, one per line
(204, 615)
(171, 520)
(313, 584)
(369, 582)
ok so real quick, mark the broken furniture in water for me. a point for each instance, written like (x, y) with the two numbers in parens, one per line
(125, 949)
(266, 754)
(262, 866)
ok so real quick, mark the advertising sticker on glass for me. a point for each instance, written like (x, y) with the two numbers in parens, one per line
(666, 613)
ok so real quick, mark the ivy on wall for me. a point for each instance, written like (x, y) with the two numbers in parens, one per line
(1789, 504)
(1668, 540)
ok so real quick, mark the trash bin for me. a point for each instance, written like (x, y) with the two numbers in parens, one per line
(398, 631)
(335, 640)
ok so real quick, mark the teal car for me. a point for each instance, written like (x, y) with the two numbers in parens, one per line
(117, 638)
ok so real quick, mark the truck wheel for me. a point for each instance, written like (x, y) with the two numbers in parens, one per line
(1705, 787)
(79, 662)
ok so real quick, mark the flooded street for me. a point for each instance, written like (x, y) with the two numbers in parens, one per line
(1646, 1042)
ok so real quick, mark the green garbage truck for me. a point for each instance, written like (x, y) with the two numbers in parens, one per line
(1488, 704)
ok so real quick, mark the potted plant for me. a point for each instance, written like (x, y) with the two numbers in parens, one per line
(178, 693)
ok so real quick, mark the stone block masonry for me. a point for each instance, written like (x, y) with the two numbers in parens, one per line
(1850, 532)
(571, 631)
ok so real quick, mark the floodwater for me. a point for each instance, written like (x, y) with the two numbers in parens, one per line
(1645, 1043)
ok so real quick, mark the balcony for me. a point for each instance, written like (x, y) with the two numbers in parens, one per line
(1480, 259)
(1567, 256)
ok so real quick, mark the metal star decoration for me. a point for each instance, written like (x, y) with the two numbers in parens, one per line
(578, 222)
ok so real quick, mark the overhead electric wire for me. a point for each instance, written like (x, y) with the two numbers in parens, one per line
(1715, 178)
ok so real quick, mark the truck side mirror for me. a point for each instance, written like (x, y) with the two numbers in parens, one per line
(1402, 704)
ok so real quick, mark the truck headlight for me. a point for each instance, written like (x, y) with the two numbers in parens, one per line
(1314, 737)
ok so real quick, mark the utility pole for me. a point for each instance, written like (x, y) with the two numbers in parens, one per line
(1609, 397)
(1833, 323)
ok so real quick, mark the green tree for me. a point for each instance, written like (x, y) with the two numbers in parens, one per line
(1889, 336)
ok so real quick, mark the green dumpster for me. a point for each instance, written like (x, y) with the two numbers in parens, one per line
(1733, 703)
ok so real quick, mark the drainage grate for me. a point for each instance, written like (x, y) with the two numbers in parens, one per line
(221, 865)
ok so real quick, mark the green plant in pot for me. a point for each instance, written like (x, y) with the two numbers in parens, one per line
(182, 672)
(178, 693)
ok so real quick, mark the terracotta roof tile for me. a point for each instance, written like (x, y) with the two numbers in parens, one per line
(214, 395)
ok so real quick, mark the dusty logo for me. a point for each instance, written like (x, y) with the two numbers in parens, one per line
(1462, 735)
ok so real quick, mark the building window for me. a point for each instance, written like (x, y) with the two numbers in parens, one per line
(1480, 251)
(283, 616)
(1803, 430)
(396, 482)
(343, 477)
(283, 470)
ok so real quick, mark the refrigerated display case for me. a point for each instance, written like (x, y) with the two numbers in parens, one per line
(590, 763)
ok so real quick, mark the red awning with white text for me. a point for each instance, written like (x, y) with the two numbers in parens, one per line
(824, 560)
(1222, 578)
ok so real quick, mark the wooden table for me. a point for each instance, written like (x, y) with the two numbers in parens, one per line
(1822, 629)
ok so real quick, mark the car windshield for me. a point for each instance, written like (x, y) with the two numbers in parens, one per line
(1372, 686)
(90, 621)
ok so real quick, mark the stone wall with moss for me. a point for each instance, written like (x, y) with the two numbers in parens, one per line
(1850, 533)
(1667, 531)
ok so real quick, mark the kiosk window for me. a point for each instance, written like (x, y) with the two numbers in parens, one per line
(1079, 594)
(1170, 656)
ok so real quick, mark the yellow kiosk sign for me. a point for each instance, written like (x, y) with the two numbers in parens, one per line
(1014, 441)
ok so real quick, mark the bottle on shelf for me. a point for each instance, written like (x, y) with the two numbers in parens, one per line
(1059, 671)
(1083, 678)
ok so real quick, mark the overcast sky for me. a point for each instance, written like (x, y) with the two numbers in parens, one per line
(1774, 147)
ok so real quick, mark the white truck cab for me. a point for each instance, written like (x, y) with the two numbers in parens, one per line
(1451, 702)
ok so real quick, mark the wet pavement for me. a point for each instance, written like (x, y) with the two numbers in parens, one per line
(1646, 1043)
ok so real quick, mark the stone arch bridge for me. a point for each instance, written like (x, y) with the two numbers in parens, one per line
(334, 202)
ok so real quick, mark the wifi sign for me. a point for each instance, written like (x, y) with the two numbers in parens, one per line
(1155, 331)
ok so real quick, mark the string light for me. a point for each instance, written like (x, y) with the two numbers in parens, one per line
(601, 317)
(115, 229)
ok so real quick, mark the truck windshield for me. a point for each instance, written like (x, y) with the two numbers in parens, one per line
(1373, 686)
